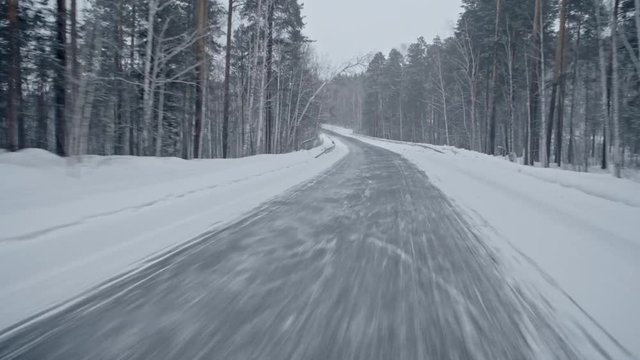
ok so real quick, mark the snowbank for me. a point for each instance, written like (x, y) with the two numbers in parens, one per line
(67, 225)
(601, 185)
(574, 237)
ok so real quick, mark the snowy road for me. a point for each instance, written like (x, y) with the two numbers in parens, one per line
(369, 261)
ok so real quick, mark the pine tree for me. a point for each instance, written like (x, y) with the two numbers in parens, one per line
(374, 97)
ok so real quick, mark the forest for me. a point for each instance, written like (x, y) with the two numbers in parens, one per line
(546, 82)
(184, 78)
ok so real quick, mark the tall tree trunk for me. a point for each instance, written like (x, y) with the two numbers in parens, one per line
(604, 101)
(82, 106)
(536, 87)
(261, 47)
(278, 109)
(269, 86)
(464, 114)
(74, 104)
(73, 66)
(576, 65)
(472, 114)
(617, 155)
(557, 78)
(586, 132)
(491, 146)
(560, 122)
(400, 112)
(94, 70)
(42, 134)
(201, 86)
(74, 39)
(147, 92)
(484, 131)
(443, 95)
(511, 54)
(133, 114)
(242, 150)
(160, 122)
(543, 93)
(254, 134)
(14, 85)
(528, 160)
(60, 83)
(120, 128)
(227, 80)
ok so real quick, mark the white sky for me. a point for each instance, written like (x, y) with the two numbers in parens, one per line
(344, 29)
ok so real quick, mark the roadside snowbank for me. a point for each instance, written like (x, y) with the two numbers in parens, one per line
(576, 236)
(66, 226)
(600, 185)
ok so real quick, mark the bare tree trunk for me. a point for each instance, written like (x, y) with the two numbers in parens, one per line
(15, 80)
(133, 118)
(41, 110)
(120, 128)
(269, 86)
(73, 71)
(227, 79)
(214, 150)
(262, 44)
(147, 93)
(443, 95)
(90, 93)
(400, 113)
(464, 111)
(78, 138)
(617, 155)
(75, 85)
(510, 61)
(536, 98)
(543, 91)
(557, 79)
(295, 114)
(242, 148)
(471, 69)
(586, 126)
(603, 86)
(160, 122)
(290, 108)
(560, 123)
(491, 146)
(202, 19)
(528, 153)
(278, 108)
(60, 85)
(576, 65)
(472, 111)
(251, 87)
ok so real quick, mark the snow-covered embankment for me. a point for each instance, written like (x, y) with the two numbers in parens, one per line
(68, 225)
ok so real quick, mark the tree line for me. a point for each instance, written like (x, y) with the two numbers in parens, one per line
(547, 81)
(186, 78)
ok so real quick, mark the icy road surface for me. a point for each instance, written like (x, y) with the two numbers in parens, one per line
(368, 261)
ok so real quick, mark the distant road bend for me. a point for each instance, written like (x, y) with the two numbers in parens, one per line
(368, 261)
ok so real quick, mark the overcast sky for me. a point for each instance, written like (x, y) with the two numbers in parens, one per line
(344, 29)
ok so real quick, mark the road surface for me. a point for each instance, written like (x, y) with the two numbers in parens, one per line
(369, 261)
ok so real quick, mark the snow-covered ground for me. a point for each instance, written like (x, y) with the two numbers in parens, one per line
(69, 225)
(571, 239)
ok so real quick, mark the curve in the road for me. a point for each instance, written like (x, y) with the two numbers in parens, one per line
(369, 261)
